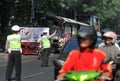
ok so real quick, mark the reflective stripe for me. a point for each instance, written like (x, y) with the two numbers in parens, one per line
(45, 42)
(9, 50)
(14, 41)
(17, 49)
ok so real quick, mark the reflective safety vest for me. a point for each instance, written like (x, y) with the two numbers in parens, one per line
(45, 42)
(14, 41)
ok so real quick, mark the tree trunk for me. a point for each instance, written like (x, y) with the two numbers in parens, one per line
(4, 16)
(5, 10)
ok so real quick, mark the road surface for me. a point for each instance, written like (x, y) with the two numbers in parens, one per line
(31, 69)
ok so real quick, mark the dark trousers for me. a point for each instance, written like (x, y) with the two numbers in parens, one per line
(14, 60)
(45, 57)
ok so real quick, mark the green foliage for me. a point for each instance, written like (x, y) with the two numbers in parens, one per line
(21, 10)
(107, 10)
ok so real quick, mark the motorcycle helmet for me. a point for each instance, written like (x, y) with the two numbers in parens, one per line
(110, 35)
(89, 33)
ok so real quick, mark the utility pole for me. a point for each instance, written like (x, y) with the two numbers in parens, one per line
(75, 8)
(32, 11)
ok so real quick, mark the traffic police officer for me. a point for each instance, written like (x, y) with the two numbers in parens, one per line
(13, 53)
(46, 47)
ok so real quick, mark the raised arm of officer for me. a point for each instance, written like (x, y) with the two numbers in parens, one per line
(50, 36)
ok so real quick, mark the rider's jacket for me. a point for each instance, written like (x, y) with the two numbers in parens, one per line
(111, 50)
(85, 61)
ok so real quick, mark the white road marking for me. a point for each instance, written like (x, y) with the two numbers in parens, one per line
(33, 75)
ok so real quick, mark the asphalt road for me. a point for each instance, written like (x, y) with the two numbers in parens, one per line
(31, 69)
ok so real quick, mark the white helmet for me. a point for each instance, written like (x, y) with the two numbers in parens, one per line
(108, 34)
(15, 28)
(56, 37)
(114, 35)
(111, 35)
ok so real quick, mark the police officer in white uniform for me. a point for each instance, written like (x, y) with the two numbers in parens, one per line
(13, 53)
(46, 45)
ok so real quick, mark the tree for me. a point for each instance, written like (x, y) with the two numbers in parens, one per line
(19, 11)
(4, 15)
(13, 12)
(107, 10)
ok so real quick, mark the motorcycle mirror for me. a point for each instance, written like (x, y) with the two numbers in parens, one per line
(106, 60)
(118, 55)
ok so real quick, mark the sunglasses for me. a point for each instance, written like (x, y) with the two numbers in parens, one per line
(104, 38)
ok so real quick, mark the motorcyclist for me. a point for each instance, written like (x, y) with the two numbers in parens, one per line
(114, 38)
(87, 58)
(62, 41)
(109, 46)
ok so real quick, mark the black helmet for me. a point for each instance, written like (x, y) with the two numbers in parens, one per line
(87, 32)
